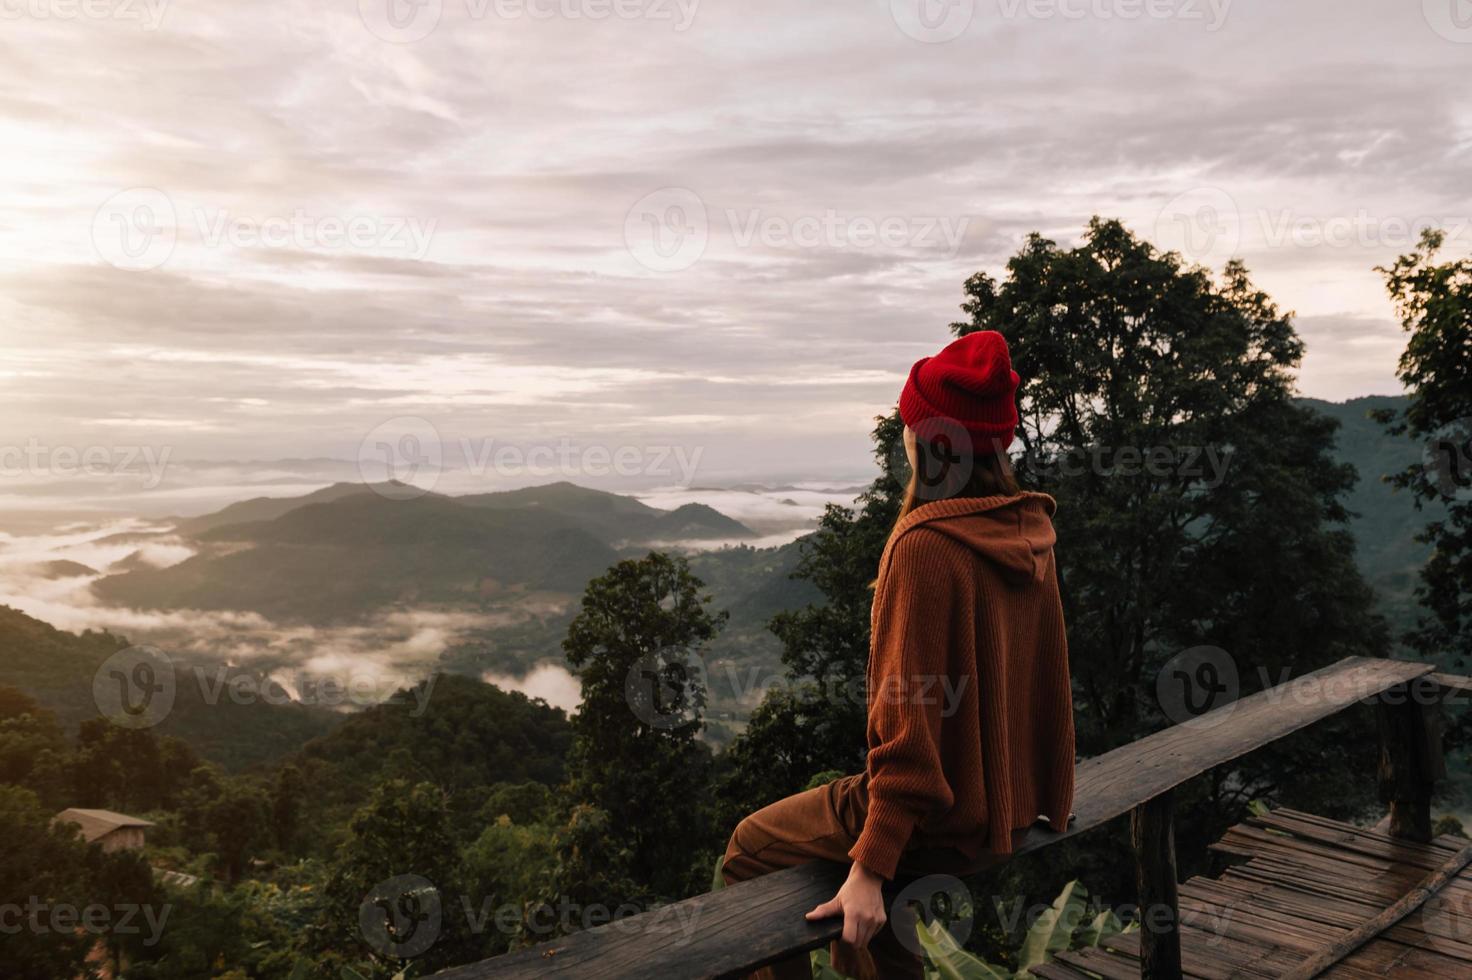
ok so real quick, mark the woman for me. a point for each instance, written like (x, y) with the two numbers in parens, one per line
(970, 716)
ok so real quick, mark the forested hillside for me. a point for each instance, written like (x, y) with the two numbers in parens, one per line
(57, 668)
(1385, 521)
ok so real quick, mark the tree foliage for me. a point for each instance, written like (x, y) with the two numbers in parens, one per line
(637, 643)
(1434, 300)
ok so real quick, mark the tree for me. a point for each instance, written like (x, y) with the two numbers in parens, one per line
(43, 872)
(33, 751)
(1198, 505)
(503, 871)
(15, 703)
(238, 822)
(287, 791)
(1434, 301)
(124, 879)
(398, 839)
(203, 786)
(590, 881)
(203, 934)
(636, 643)
(129, 768)
(522, 803)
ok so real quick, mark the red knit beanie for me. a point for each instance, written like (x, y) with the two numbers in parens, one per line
(970, 384)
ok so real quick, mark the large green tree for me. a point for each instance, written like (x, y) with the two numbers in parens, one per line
(636, 643)
(1434, 300)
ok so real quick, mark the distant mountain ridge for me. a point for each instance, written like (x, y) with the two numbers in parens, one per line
(348, 551)
(266, 508)
(1385, 521)
(616, 519)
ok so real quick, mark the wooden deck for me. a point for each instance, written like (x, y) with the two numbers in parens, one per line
(761, 921)
(1306, 882)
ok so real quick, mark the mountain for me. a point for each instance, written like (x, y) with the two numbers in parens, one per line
(363, 553)
(56, 668)
(270, 508)
(349, 551)
(695, 522)
(618, 520)
(63, 569)
(1385, 521)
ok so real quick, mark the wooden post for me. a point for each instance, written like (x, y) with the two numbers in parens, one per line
(1409, 720)
(1152, 831)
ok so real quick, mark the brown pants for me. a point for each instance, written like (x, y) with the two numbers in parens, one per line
(824, 824)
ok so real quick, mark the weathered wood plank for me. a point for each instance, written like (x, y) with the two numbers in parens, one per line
(1288, 909)
(1059, 971)
(722, 934)
(1360, 840)
(1345, 945)
(1452, 682)
(759, 922)
(1207, 956)
(1110, 785)
(1269, 917)
(1099, 962)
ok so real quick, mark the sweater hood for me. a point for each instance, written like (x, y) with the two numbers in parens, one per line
(1013, 533)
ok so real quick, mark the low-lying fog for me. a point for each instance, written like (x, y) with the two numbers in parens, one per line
(59, 539)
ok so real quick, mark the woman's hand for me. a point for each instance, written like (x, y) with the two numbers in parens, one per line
(861, 903)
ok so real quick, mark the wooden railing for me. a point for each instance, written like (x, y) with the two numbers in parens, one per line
(733, 931)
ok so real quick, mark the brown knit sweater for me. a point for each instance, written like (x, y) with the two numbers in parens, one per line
(970, 708)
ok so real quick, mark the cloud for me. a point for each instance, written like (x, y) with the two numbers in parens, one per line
(552, 683)
(494, 171)
(392, 650)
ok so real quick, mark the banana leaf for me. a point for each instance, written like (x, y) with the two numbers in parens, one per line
(1054, 929)
(951, 961)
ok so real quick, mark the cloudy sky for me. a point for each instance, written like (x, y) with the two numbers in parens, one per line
(332, 228)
